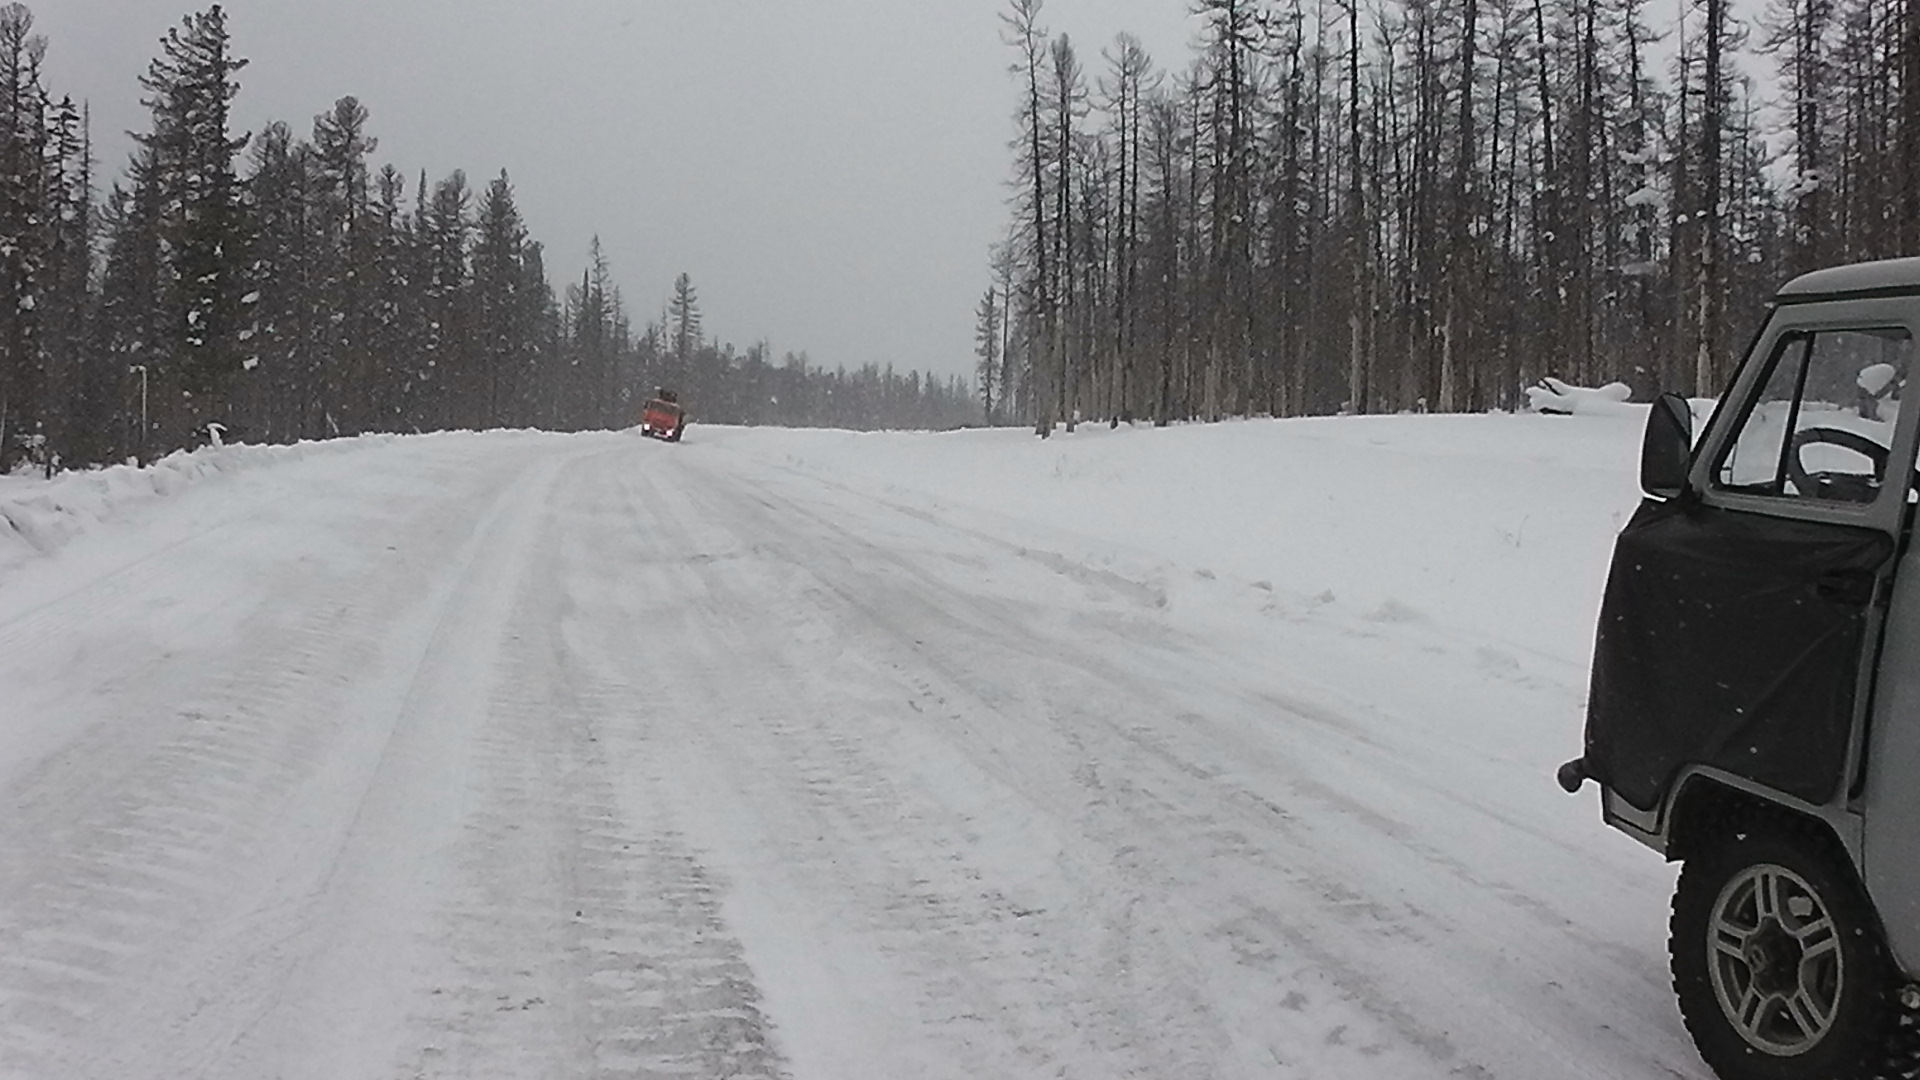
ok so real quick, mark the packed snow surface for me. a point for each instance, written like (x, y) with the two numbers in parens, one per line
(1215, 751)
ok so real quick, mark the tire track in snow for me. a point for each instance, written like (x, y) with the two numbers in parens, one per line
(785, 714)
(88, 600)
(169, 860)
(588, 940)
(122, 899)
(1344, 941)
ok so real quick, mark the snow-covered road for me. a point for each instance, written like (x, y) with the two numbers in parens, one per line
(518, 755)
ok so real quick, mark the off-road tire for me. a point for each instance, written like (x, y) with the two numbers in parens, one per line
(1769, 916)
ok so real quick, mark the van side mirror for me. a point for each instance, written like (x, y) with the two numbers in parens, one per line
(1666, 450)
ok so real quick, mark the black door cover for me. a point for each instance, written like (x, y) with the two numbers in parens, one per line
(1729, 639)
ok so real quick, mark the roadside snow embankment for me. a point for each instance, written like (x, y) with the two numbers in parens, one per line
(39, 516)
(1496, 525)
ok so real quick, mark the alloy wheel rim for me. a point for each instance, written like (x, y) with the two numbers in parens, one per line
(1773, 956)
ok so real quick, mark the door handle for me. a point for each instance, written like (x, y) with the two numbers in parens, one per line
(1851, 587)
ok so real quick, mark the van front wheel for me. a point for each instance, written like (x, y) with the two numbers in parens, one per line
(1777, 959)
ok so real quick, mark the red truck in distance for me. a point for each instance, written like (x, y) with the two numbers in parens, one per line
(663, 418)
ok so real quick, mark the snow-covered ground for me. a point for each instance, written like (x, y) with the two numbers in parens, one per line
(1203, 752)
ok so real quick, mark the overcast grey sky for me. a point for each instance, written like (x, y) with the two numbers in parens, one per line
(831, 172)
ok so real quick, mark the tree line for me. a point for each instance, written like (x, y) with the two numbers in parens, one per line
(1387, 205)
(276, 284)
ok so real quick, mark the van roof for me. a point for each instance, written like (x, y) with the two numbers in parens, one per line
(1887, 277)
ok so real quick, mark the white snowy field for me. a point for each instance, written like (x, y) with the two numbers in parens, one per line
(1203, 752)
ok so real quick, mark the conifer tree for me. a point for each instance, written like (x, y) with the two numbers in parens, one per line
(536, 402)
(986, 337)
(24, 208)
(393, 326)
(447, 375)
(188, 160)
(78, 409)
(501, 335)
(592, 334)
(683, 317)
(342, 248)
(282, 383)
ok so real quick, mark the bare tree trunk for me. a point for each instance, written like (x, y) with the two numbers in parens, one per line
(1459, 241)
(1909, 204)
(1708, 283)
(1357, 388)
(1022, 22)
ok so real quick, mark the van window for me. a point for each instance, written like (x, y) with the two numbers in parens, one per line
(1822, 424)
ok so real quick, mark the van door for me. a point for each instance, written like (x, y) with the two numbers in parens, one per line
(1891, 851)
(1737, 619)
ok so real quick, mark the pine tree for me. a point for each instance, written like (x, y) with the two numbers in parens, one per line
(449, 385)
(683, 319)
(188, 159)
(24, 209)
(78, 403)
(590, 320)
(499, 313)
(537, 402)
(342, 250)
(987, 347)
(282, 379)
(394, 325)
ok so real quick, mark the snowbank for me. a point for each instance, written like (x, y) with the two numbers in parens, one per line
(39, 516)
(1564, 399)
(1556, 398)
(1495, 526)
